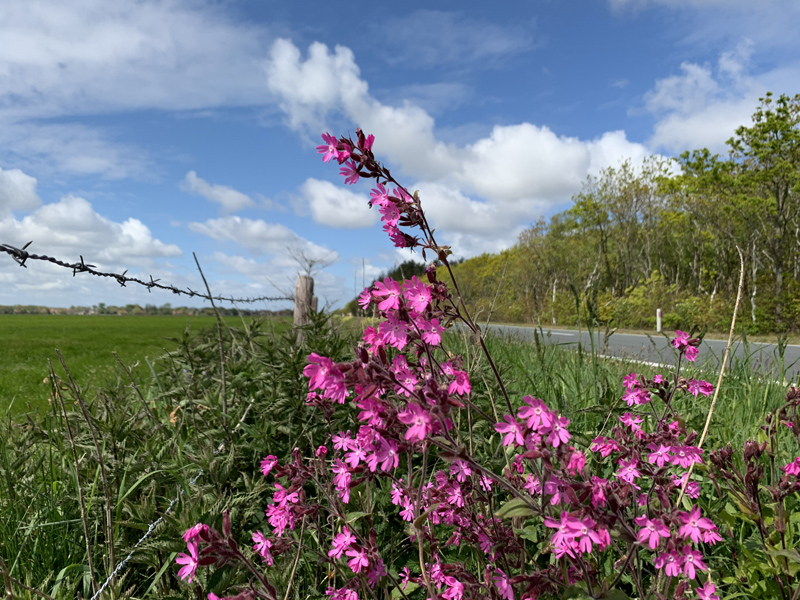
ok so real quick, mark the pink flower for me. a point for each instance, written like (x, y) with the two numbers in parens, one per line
(329, 148)
(692, 488)
(390, 214)
(321, 451)
(686, 455)
(671, 562)
(563, 540)
(691, 353)
(348, 171)
(417, 294)
(341, 542)
(358, 561)
(660, 456)
(605, 446)
(793, 468)
(268, 464)
(189, 561)
(536, 414)
(431, 331)
(707, 591)
(282, 497)
(341, 594)
(455, 589)
(651, 532)
(632, 421)
(365, 298)
(379, 196)
(598, 491)
(419, 419)
(630, 381)
(559, 434)
(583, 531)
(512, 431)
(693, 524)
(194, 531)
(637, 396)
(681, 340)
(692, 560)
(377, 571)
(261, 546)
(658, 379)
(390, 289)
(699, 386)
(394, 332)
(628, 472)
(343, 441)
(503, 585)
(460, 385)
(460, 469)
(577, 460)
(385, 455)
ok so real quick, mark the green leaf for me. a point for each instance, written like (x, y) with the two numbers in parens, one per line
(352, 517)
(615, 595)
(410, 587)
(516, 507)
(529, 533)
(577, 591)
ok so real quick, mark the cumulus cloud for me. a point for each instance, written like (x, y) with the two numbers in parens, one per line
(336, 206)
(259, 237)
(68, 229)
(17, 191)
(228, 198)
(516, 173)
(71, 227)
(703, 105)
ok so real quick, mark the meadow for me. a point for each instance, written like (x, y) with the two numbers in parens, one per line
(171, 438)
(87, 343)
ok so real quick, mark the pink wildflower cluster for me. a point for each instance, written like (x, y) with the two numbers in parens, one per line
(619, 502)
(686, 345)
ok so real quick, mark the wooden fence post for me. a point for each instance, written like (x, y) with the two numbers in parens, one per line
(304, 302)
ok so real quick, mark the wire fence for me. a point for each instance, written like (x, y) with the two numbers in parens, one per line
(21, 256)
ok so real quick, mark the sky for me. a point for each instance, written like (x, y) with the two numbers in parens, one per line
(136, 132)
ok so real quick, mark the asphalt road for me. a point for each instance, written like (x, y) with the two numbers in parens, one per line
(656, 349)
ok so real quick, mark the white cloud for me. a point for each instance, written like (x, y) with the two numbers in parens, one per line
(258, 236)
(336, 206)
(90, 56)
(71, 227)
(227, 197)
(86, 57)
(702, 106)
(68, 229)
(517, 171)
(17, 191)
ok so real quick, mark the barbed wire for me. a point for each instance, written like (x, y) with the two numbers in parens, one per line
(21, 256)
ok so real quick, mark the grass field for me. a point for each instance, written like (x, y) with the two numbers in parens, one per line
(27, 342)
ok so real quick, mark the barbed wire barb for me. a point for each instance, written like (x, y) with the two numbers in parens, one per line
(21, 256)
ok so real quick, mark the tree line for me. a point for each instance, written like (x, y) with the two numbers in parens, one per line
(664, 234)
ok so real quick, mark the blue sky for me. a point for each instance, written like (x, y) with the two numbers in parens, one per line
(135, 132)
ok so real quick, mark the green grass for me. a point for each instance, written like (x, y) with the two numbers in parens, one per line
(27, 342)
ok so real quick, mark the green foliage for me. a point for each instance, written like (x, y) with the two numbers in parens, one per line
(664, 235)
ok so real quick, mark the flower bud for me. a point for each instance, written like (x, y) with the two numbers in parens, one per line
(226, 523)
